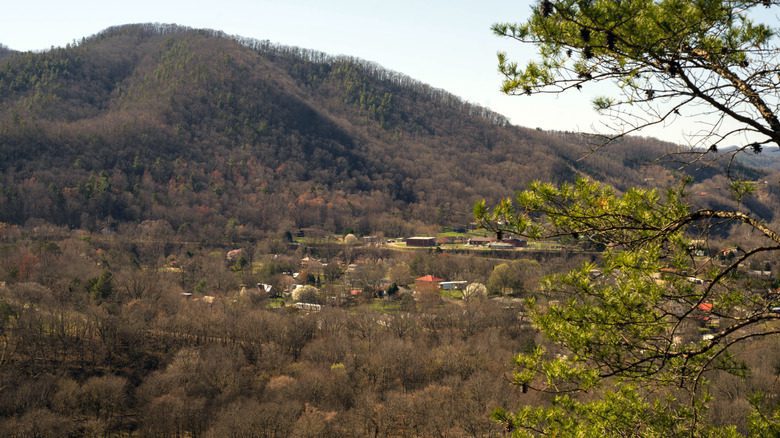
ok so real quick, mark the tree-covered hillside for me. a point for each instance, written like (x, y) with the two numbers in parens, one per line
(5, 51)
(220, 135)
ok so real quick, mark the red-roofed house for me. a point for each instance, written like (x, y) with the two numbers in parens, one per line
(427, 283)
(703, 312)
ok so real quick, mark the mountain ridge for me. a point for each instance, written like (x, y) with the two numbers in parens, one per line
(200, 129)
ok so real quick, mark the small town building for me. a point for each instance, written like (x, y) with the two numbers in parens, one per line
(421, 241)
(310, 307)
(234, 254)
(516, 242)
(702, 311)
(372, 240)
(480, 241)
(268, 289)
(445, 240)
(500, 245)
(453, 285)
(428, 283)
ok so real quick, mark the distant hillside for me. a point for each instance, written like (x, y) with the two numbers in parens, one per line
(220, 135)
(768, 158)
(5, 51)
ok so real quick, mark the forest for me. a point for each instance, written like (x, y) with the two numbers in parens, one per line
(106, 335)
(199, 236)
(227, 138)
(141, 333)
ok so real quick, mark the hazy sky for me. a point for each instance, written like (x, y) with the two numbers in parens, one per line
(447, 44)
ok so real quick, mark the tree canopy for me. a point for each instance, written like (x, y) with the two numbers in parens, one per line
(632, 338)
(668, 59)
(648, 324)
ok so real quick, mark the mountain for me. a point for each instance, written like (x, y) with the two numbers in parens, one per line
(215, 135)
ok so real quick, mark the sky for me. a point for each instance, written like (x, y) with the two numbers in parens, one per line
(445, 43)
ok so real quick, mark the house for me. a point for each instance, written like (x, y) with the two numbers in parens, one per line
(500, 245)
(427, 283)
(702, 311)
(421, 241)
(445, 240)
(268, 289)
(705, 307)
(516, 242)
(372, 240)
(480, 241)
(308, 307)
(453, 285)
(759, 273)
(234, 254)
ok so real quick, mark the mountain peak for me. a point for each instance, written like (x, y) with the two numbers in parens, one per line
(200, 129)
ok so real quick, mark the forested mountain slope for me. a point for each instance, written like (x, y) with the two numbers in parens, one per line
(5, 51)
(213, 133)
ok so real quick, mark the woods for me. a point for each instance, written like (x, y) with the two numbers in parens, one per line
(226, 138)
(98, 338)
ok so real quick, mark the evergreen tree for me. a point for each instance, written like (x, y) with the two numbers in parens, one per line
(630, 343)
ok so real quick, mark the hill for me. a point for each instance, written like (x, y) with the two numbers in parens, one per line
(231, 137)
(5, 51)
